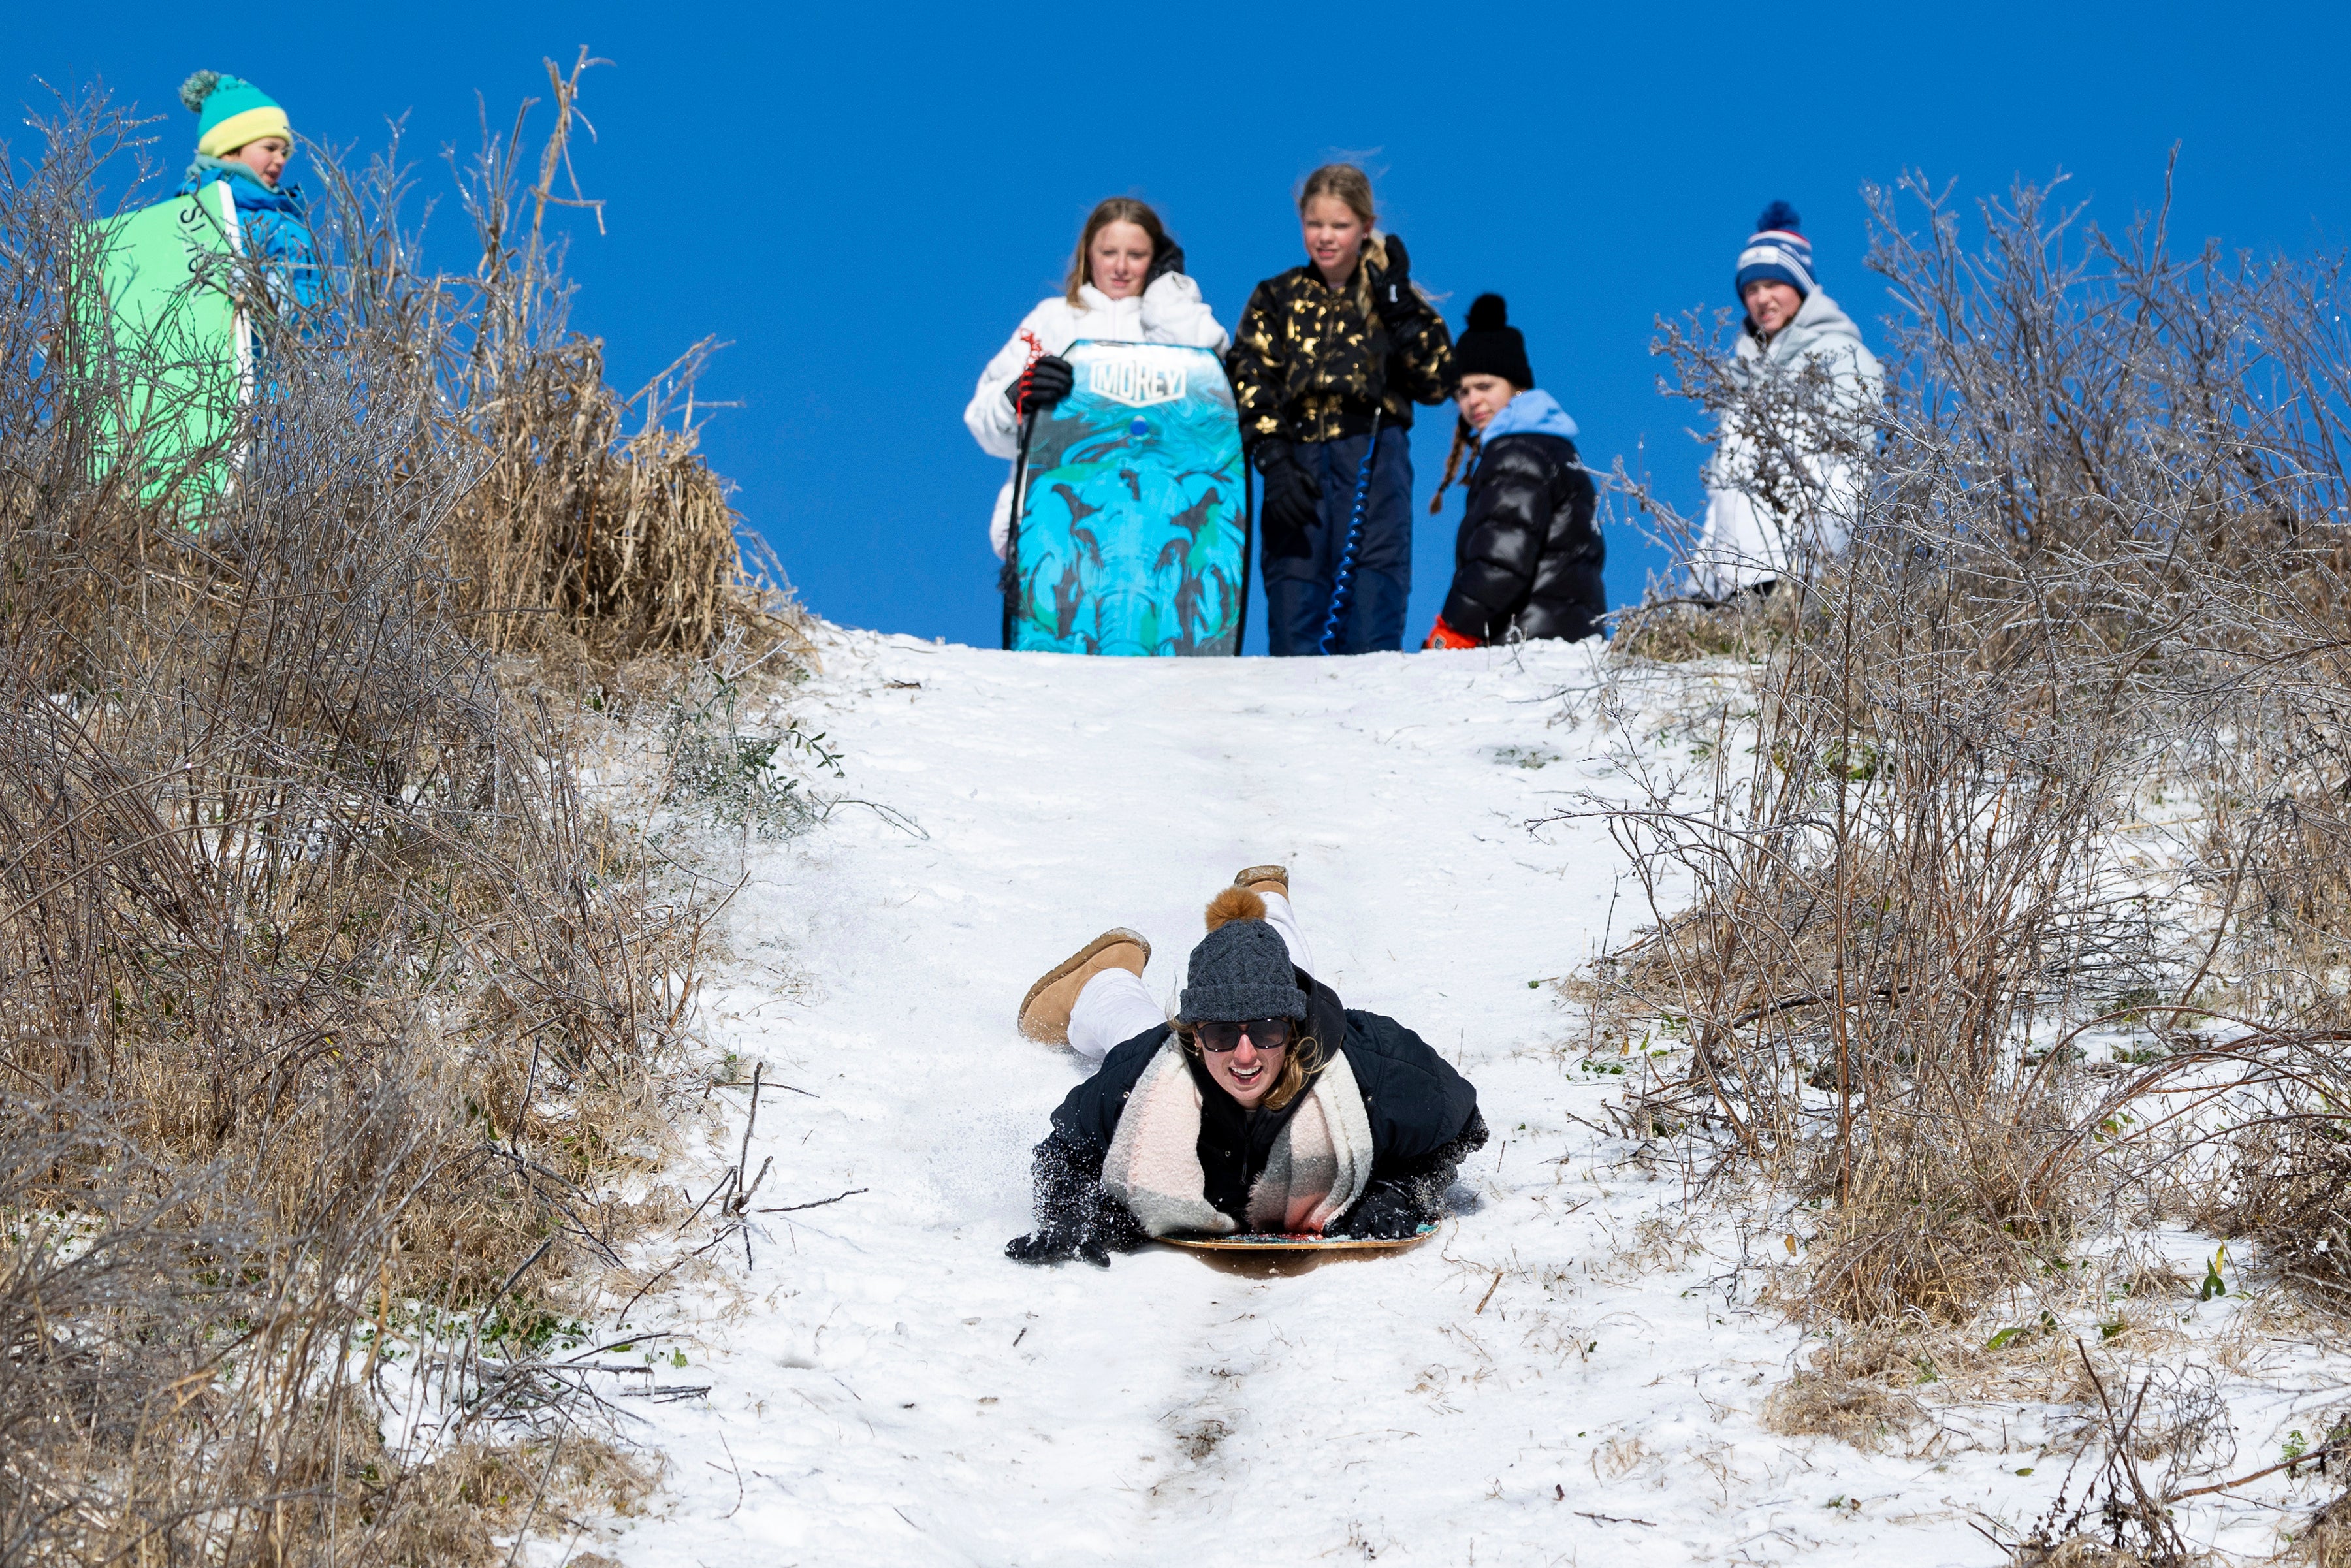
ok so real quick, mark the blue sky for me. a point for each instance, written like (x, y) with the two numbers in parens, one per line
(865, 199)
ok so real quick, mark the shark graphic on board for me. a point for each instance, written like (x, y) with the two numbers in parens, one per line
(1134, 527)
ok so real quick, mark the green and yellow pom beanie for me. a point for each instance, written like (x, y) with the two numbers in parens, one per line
(231, 111)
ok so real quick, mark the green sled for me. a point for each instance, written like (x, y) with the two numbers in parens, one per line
(181, 350)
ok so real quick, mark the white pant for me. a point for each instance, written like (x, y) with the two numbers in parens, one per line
(1115, 1006)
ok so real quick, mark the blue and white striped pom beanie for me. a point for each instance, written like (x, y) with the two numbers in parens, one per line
(1777, 252)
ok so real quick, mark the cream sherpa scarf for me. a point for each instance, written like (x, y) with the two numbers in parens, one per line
(1319, 1165)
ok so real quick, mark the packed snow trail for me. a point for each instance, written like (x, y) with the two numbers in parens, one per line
(1554, 1378)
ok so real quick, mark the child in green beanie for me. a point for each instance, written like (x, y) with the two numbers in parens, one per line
(243, 139)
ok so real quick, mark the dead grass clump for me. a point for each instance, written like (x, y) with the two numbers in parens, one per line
(2325, 1539)
(508, 1486)
(1865, 1416)
(1879, 1263)
(1934, 1223)
(575, 528)
(1679, 630)
(2084, 1552)
(625, 544)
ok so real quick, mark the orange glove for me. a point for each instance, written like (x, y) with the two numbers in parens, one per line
(1443, 636)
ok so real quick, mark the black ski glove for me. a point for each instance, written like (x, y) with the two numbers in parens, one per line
(1075, 1219)
(1170, 259)
(1290, 497)
(1390, 1211)
(1058, 1241)
(1046, 382)
(1393, 295)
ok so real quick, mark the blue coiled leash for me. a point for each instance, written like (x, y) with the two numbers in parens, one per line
(1343, 590)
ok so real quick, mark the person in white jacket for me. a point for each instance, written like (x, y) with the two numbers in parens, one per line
(1769, 512)
(1126, 285)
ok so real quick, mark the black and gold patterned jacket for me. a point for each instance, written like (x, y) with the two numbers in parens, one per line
(1309, 363)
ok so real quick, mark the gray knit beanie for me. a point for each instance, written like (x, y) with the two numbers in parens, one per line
(1241, 970)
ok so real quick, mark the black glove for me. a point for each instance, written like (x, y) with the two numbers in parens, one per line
(1045, 383)
(1290, 497)
(1075, 1219)
(1170, 259)
(1058, 1241)
(1393, 295)
(1390, 1211)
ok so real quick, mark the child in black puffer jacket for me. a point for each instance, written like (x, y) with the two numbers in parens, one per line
(1529, 556)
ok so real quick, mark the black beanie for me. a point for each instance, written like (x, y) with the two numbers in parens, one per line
(1241, 970)
(1490, 346)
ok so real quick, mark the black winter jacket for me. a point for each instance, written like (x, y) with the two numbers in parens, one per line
(1529, 553)
(1424, 1120)
(1308, 364)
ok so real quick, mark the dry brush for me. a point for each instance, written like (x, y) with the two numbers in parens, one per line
(336, 1014)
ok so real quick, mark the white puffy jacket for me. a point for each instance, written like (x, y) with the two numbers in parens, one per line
(1747, 539)
(1170, 311)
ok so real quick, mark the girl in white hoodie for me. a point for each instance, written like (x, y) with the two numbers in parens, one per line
(1126, 285)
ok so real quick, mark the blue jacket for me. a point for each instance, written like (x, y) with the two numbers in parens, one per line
(276, 233)
(1531, 412)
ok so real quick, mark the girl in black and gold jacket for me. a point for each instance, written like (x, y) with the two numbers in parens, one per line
(1325, 353)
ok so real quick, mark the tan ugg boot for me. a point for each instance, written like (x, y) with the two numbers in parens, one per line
(1045, 1011)
(1264, 879)
(1235, 904)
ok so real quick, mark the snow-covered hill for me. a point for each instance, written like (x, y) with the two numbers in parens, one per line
(1569, 1372)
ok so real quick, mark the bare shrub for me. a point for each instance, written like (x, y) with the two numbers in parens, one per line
(335, 1014)
(2127, 1516)
(2282, 1177)
(2096, 575)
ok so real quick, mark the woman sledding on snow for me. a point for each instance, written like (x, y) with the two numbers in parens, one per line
(1265, 1106)
(243, 140)
(1775, 502)
(1126, 285)
(1326, 354)
(1526, 560)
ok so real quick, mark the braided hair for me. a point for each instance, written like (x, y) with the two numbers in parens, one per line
(1465, 439)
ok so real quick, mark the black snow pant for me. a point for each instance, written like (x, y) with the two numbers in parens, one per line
(1301, 569)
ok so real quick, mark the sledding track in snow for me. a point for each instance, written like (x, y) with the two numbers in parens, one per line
(1551, 1380)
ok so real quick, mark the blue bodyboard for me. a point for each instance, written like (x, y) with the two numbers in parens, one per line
(1132, 515)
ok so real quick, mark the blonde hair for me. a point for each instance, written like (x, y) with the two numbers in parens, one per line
(1300, 1060)
(1112, 210)
(1347, 182)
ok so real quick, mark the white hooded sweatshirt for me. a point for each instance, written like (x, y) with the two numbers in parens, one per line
(1170, 311)
(1748, 537)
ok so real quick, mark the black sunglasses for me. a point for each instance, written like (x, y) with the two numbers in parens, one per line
(1269, 1034)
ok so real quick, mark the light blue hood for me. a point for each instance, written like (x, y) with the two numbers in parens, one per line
(1531, 412)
